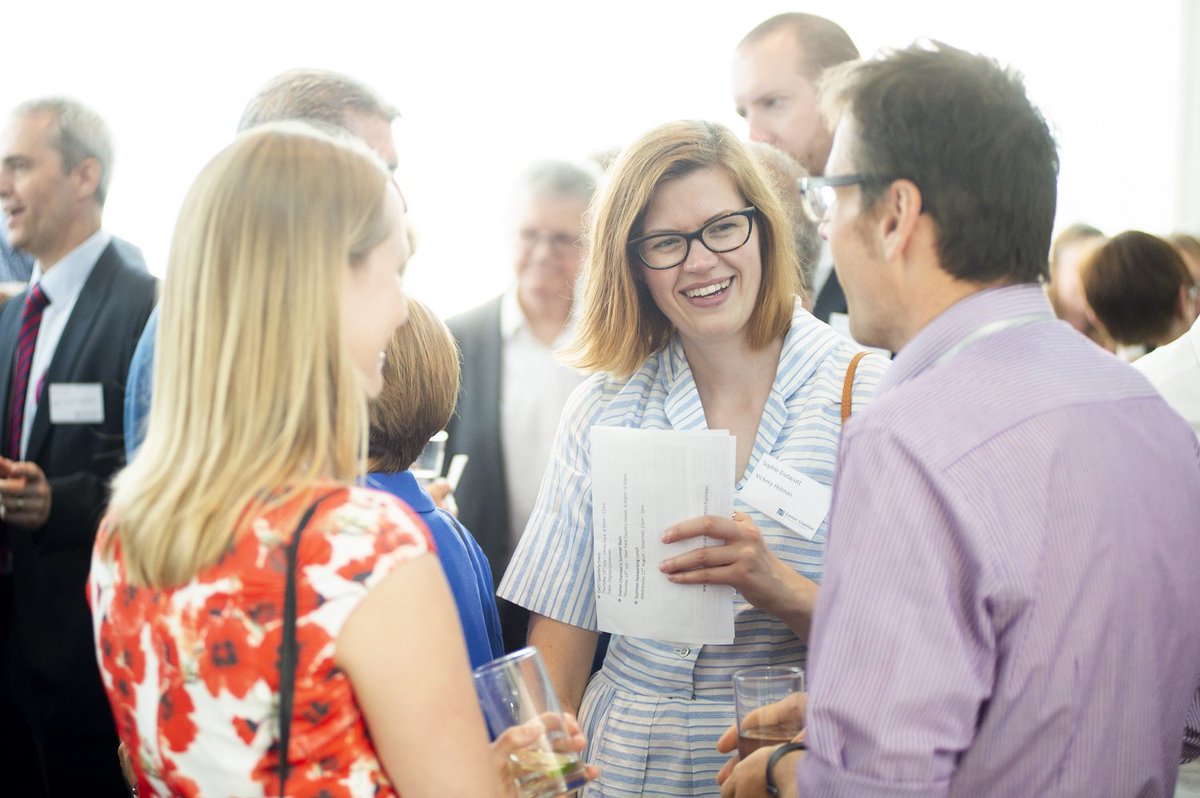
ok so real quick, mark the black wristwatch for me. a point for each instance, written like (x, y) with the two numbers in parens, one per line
(776, 755)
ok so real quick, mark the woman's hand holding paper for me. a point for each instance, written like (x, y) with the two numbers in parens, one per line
(739, 557)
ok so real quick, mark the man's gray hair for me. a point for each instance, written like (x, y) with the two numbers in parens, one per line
(81, 133)
(559, 178)
(313, 94)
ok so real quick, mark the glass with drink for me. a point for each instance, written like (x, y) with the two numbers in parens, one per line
(768, 707)
(515, 690)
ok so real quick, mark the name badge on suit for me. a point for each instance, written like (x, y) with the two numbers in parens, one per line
(76, 403)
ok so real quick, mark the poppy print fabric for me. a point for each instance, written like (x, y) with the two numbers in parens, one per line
(192, 672)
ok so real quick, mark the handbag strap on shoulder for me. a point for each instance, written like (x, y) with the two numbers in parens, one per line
(289, 649)
(848, 386)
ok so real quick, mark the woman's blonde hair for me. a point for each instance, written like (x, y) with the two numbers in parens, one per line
(255, 395)
(620, 326)
(420, 389)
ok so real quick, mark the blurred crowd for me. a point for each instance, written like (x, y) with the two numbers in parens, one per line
(219, 557)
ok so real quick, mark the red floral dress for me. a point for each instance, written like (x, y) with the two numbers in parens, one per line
(192, 671)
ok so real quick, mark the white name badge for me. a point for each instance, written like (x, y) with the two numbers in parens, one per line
(76, 403)
(798, 502)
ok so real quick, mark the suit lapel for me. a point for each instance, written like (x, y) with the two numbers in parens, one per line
(493, 354)
(831, 299)
(71, 345)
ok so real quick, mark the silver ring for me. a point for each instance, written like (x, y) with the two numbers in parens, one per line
(3, 511)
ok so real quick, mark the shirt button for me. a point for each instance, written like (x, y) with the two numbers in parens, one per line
(683, 652)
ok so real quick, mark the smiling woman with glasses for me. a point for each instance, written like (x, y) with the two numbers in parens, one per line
(690, 320)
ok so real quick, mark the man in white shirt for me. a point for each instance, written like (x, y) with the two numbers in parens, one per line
(513, 385)
(65, 346)
(1174, 370)
(775, 72)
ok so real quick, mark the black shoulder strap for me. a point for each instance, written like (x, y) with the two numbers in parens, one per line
(288, 653)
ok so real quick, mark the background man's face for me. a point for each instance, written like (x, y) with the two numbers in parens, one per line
(549, 227)
(1070, 303)
(39, 199)
(376, 133)
(779, 102)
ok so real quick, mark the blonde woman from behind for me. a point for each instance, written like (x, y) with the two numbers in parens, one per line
(283, 290)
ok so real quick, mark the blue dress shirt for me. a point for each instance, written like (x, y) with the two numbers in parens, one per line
(466, 567)
(138, 386)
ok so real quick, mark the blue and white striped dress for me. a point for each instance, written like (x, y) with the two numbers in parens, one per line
(653, 714)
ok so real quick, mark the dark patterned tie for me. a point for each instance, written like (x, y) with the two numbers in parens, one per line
(31, 320)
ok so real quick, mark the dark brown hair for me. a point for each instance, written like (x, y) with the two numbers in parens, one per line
(961, 128)
(619, 324)
(1132, 284)
(420, 388)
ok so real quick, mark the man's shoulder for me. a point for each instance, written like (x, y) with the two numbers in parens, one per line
(117, 280)
(1178, 358)
(979, 395)
(128, 272)
(476, 320)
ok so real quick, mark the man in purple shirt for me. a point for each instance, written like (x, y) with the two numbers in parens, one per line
(1010, 601)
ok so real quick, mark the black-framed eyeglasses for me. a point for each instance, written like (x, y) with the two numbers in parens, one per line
(723, 234)
(818, 194)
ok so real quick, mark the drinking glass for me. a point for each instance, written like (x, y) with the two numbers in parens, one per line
(515, 690)
(768, 712)
(428, 465)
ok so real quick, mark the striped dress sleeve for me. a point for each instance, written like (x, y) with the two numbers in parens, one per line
(551, 571)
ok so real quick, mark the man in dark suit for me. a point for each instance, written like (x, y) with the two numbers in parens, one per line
(513, 387)
(775, 73)
(65, 346)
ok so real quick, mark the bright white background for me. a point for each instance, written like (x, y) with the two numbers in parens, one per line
(487, 87)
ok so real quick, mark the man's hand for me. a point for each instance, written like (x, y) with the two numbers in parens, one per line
(443, 495)
(24, 494)
(748, 779)
(787, 711)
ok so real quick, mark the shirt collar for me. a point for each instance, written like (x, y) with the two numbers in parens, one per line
(960, 320)
(511, 318)
(63, 283)
(513, 321)
(404, 485)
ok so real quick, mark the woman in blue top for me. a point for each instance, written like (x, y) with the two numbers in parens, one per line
(420, 385)
(690, 320)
